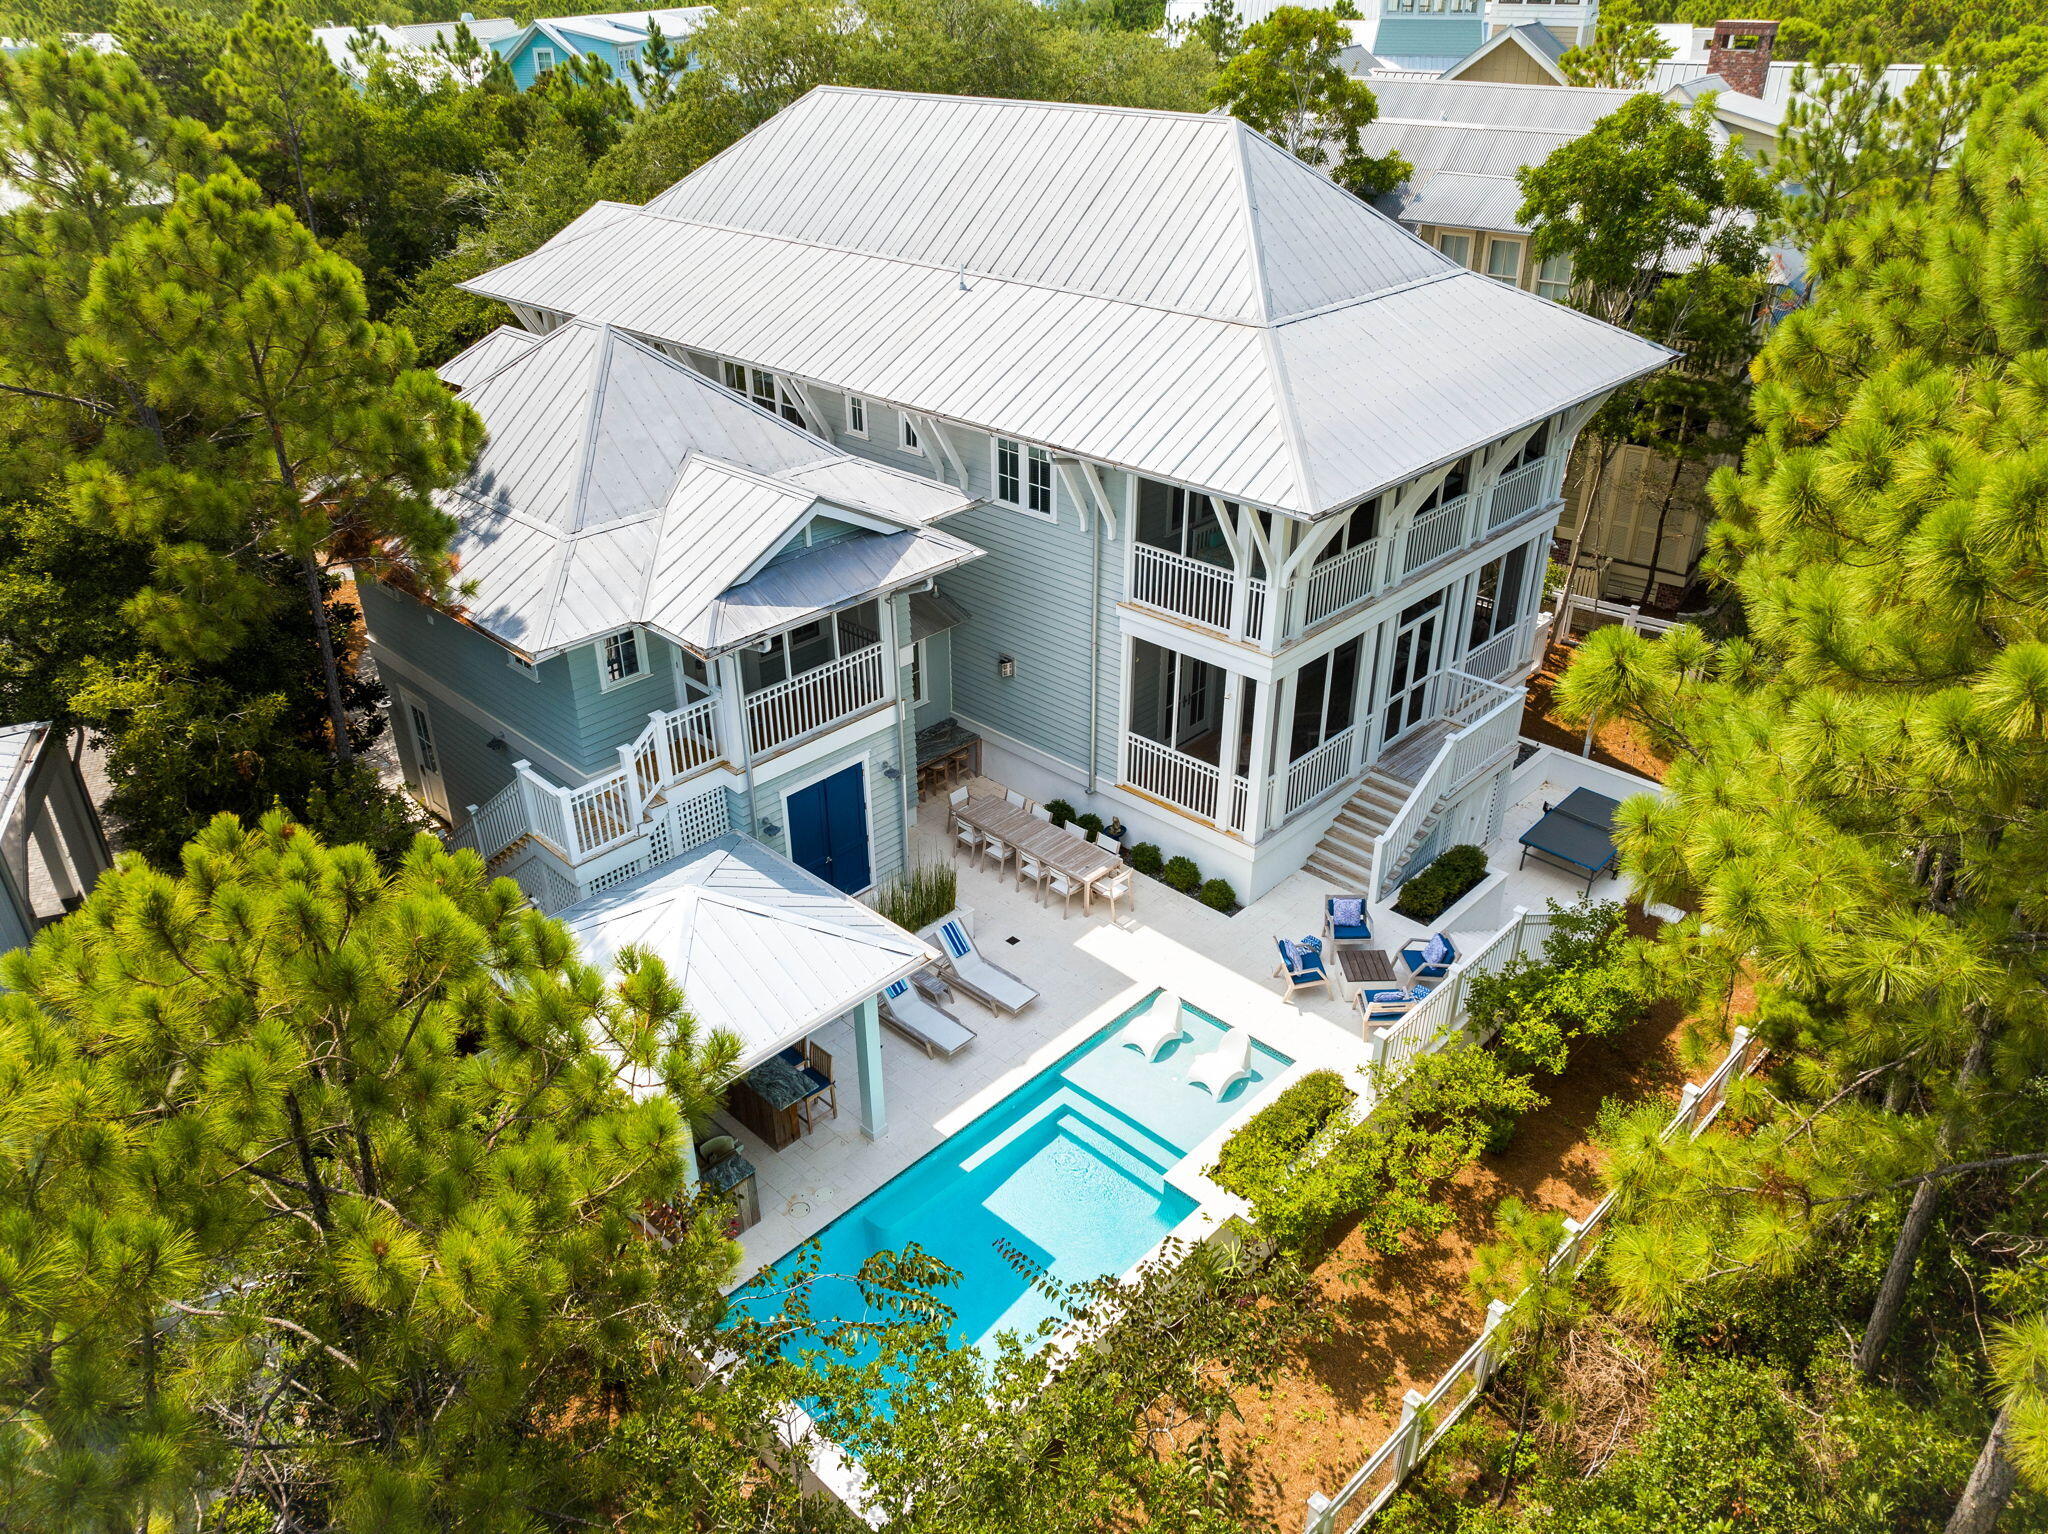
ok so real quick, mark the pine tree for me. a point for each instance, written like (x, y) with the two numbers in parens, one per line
(1858, 811)
(322, 1196)
(1622, 54)
(285, 107)
(312, 438)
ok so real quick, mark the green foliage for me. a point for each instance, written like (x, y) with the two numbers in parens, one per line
(284, 107)
(920, 895)
(284, 1126)
(1061, 812)
(1181, 874)
(1449, 878)
(1622, 54)
(1284, 81)
(1089, 824)
(1217, 895)
(1146, 859)
(1257, 1161)
(1385, 1173)
(1589, 982)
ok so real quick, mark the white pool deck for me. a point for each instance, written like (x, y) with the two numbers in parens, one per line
(1088, 970)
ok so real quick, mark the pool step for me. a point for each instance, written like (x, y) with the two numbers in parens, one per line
(1069, 1103)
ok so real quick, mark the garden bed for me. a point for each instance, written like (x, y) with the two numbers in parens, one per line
(1396, 1323)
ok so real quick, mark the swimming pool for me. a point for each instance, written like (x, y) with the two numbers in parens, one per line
(1065, 1177)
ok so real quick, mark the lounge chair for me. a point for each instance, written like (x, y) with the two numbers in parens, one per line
(1345, 931)
(925, 1023)
(1429, 958)
(1156, 1027)
(990, 984)
(1224, 1066)
(1302, 969)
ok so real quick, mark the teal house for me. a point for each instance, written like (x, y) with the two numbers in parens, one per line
(615, 38)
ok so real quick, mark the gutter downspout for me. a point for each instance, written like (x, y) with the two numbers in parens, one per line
(1094, 647)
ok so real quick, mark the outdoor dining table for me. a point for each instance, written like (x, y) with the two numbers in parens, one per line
(1075, 856)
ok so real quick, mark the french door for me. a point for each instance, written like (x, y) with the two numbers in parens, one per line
(426, 756)
(1418, 639)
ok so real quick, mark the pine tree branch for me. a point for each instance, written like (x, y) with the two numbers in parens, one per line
(279, 1321)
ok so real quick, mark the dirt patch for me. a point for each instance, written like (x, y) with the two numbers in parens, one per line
(1616, 743)
(1397, 1323)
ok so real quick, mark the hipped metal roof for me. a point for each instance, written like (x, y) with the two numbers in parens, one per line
(762, 948)
(618, 486)
(1163, 292)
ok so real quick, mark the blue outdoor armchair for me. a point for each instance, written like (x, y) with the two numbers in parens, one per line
(1342, 931)
(1301, 964)
(1429, 958)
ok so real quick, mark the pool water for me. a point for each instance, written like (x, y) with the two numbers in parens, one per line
(1065, 1177)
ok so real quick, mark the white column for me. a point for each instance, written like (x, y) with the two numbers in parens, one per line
(867, 1055)
(1283, 711)
(731, 709)
(1226, 756)
(1261, 773)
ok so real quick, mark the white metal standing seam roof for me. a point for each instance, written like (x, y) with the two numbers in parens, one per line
(476, 362)
(619, 486)
(1459, 201)
(761, 948)
(1569, 110)
(1163, 292)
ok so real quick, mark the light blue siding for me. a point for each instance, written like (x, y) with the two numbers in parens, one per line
(1429, 36)
(938, 680)
(561, 707)
(471, 771)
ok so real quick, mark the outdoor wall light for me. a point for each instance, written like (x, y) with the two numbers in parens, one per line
(1006, 666)
(495, 743)
(891, 772)
(770, 828)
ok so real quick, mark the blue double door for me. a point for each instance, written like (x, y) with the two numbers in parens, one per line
(828, 830)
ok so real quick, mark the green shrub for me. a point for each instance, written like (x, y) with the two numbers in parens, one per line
(1060, 811)
(1090, 823)
(920, 895)
(1448, 879)
(1261, 1156)
(1181, 874)
(1217, 895)
(1146, 858)
(1589, 982)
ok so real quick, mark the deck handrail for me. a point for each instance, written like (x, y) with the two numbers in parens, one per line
(1196, 589)
(1335, 585)
(819, 697)
(1314, 774)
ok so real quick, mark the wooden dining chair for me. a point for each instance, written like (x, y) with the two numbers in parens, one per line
(1016, 800)
(1064, 885)
(1031, 869)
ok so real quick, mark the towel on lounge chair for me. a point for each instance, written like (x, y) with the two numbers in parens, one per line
(925, 1023)
(990, 984)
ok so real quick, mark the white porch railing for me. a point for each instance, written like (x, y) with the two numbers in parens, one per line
(1195, 589)
(1425, 1418)
(1515, 493)
(1310, 777)
(1506, 654)
(1434, 534)
(495, 824)
(1490, 721)
(837, 690)
(1352, 577)
(1187, 782)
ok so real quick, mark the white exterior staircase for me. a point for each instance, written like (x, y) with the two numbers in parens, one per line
(1344, 856)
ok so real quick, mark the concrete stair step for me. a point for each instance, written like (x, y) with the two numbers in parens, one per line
(1342, 874)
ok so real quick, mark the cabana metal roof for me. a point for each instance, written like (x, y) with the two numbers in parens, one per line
(1162, 292)
(760, 947)
(619, 486)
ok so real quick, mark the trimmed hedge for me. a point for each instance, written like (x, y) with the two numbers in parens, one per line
(1060, 811)
(1260, 1158)
(1448, 879)
(1146, 858)
(1217, 895)
(1091, 823)
(1181, 874)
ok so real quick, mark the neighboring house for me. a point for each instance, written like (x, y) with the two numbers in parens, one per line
(1261, 486)
(413, 44)
(1426, 35)
(51, 846)
(615, 37)
(1527, 53)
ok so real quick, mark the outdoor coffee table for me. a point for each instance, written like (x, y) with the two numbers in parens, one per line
(1365, 966)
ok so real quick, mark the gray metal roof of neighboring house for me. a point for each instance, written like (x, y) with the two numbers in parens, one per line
(1563, 109)
(619, 486)
(761, 948)
(1163, 292)
(1777, 91)
(1456, 200)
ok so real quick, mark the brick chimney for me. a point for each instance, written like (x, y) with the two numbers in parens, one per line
(1741, 54)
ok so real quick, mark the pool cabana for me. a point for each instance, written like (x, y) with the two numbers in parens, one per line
(761, 949)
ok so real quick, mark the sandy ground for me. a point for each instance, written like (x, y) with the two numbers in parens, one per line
(1615, 742)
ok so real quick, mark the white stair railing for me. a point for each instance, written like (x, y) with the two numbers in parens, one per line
(1493, 718)
(836, 690)
(495, 824)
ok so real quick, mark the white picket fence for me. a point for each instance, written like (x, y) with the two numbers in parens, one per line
(1427, 1416)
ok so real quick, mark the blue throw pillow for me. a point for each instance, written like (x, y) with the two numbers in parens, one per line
(1289, 954)
(1389, 998)
(1347, 913)
(1437, 950)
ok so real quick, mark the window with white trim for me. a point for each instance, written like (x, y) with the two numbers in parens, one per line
(621, 657)
(907, 435)
(1554, 277)
(1023, 477)
(856, 415)
(765, 390)
(1457, 246)
(543, 60)
(1504, 260)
